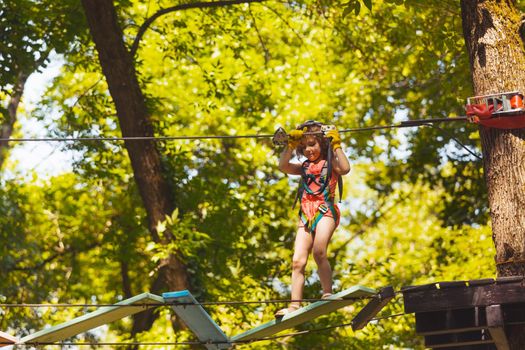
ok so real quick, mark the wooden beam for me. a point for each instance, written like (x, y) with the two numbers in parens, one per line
(450, 321)
(471, 347)
(514, 314)
(94, 319)
(7, 339)
(372, 308)
(426, 300)
(496, 324)
(458, 339)
(197, 319)
(306, 313)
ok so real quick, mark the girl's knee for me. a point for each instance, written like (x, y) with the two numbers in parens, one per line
(319, 254)
(299, 264)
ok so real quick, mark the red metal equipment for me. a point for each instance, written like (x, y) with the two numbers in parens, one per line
(501, 111)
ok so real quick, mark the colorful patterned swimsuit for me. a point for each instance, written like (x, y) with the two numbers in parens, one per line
(315, 203)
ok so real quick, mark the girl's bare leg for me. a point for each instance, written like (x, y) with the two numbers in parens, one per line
(325, 229)
(303, 246)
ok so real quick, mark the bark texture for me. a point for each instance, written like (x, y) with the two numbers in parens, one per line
(118, 68)
(492, 35)
(10, 115)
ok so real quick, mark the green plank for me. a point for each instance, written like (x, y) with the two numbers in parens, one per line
(7, 339)
(306, 313)
(94, 319)
(197, 319)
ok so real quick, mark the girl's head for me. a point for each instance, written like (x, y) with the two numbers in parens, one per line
(314, 146)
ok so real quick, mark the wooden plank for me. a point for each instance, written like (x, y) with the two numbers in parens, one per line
(496, 325)
(372, 308)
(481, 282)
(508, 293)
(450, 321)
(306, 313)
(94, 319)
(460, 298)
(452, 284)
(197, 319)
(471, 347)
(437, 300)
(7, 339)
(514, 314)
(510, 279)
(458, 339)
(419, 288)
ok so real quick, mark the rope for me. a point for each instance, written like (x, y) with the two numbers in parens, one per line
(135, 138)
(404, 124)
(205, 303)
(472, 153)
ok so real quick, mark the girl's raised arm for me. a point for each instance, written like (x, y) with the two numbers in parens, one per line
(294, 138)
(285, 165)
(340, 163)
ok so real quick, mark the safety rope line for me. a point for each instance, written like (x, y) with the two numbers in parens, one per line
(403, 124)
(286, 335)
(204, 303)
(472, 153)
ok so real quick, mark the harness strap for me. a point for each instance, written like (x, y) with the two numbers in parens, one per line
(324, 188)
(324, 183)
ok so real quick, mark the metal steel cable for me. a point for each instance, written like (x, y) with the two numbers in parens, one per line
(147, 305)
(404, 124)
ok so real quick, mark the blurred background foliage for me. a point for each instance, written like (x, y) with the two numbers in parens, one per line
(414, 207)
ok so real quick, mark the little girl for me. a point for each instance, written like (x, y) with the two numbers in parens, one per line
(319, 215)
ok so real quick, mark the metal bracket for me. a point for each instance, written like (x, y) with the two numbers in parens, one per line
(280, 137)
(325, 128)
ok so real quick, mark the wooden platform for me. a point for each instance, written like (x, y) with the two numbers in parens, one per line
(92, 320)
(467, 315)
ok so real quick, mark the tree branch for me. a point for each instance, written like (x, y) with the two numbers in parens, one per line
(299, 37)
(265, 49)
(201, 5)
(44, 262)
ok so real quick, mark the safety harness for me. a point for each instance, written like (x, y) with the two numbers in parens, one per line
(323, 182)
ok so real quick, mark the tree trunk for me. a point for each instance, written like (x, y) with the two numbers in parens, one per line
(117, 66)
(492, 35)
(10, 115)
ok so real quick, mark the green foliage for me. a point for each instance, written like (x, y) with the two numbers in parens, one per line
(413, 211)
(29, 30)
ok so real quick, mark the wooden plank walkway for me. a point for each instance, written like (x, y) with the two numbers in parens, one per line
(197, 319)
(200, 323)
(94, 319)
(306, 313)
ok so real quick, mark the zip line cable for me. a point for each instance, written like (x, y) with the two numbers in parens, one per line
(286, 335)
(403, 124)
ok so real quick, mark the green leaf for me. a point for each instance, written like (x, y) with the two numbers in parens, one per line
(347, 10)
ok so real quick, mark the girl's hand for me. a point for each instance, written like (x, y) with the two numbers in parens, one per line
(336, 138)
(294, 138)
